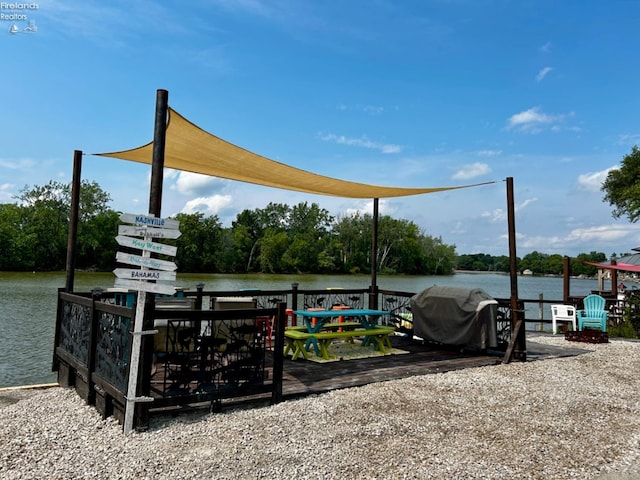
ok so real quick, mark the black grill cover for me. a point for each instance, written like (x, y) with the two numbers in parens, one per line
(455, 316)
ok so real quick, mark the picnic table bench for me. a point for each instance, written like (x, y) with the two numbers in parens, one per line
(296, 340)
(330, 326)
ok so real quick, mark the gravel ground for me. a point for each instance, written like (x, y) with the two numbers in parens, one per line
(576, 417)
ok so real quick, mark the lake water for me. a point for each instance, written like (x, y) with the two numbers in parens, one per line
(28, 304)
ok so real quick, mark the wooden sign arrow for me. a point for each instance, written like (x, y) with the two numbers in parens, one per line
(149, 220)
(145, 286)
(131, 259)
(135, 274)
(147, 245)
(150, 232)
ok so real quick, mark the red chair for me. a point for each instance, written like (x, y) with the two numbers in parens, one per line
(340, 318)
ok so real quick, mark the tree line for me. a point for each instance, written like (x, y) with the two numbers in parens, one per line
(536, 262)
(279, 238)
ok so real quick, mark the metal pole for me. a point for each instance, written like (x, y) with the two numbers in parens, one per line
(73, 220)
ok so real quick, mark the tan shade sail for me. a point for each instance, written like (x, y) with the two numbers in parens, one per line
(191, 149)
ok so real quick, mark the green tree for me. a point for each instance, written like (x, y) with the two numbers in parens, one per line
(17, 243)
(534, 261)
(622, 189)
(47, 221)
(97, 245)
(579, 267)
(440, 257)
(352, 238)
(47, 213)
(200, 242)
(554, 264)
(308, 230)
(274, 245)
(249, 229)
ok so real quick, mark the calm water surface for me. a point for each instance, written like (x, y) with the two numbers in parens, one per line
(28, 304)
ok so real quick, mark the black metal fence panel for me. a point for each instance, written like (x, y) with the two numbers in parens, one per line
(210, 357)
(329, 298)
(113, 347)
(74, 335)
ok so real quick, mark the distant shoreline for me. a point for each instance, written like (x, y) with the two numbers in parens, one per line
(481, 272)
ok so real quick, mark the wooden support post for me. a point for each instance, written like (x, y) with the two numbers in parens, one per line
(278, 353)
(373, 291)
(514, 339)
(566, 276)
(518, 332)
(73, 220)
(157, 164)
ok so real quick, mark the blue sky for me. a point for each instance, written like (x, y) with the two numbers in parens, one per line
(423, 93)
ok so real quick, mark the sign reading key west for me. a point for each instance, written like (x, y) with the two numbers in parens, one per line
(146, 245)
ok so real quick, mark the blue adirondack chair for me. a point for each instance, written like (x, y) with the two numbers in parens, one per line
(594, 314)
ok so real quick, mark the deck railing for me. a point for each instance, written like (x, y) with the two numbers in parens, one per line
(197, 356)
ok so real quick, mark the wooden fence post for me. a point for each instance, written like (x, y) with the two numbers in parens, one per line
(278, 353)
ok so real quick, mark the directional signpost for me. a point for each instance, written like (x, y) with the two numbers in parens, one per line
(151, 270)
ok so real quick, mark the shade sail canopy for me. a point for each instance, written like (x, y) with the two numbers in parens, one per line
(191, 149)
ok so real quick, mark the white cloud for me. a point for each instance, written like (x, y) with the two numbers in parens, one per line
(599, 233)
(472, 170)
(592, 181)
(489, 153)
(628, 139)
(534, 120)
(6, 192)
(188, 183)
(363, 142)
(495, 215)
(500, 215)
(546, 47)
(255, 7)
(21, 164)
(208, 205)
(543, 73)
(364, 207)
(591, 238)
(373, 110)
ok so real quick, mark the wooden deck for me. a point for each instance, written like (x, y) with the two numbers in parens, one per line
(302, 377)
